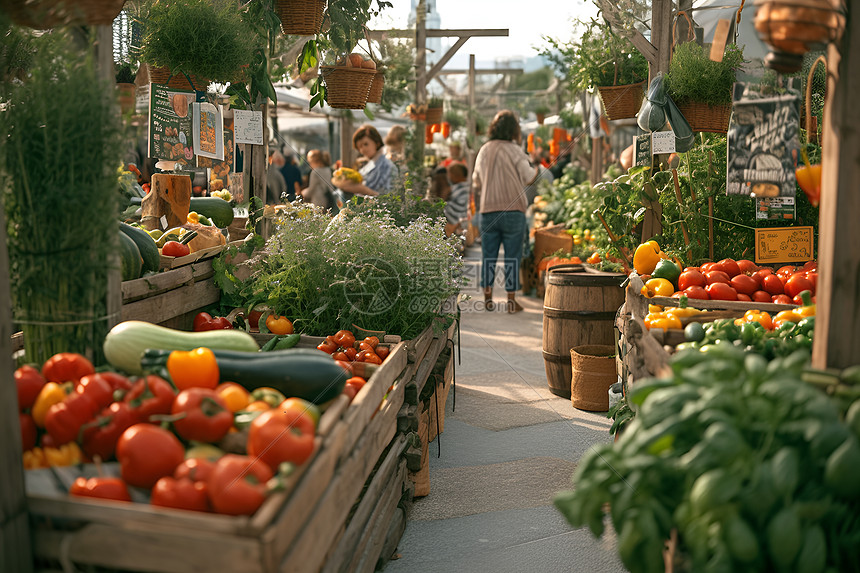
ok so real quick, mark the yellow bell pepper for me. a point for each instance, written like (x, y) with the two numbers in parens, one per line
(758, 316)
(646, 257)
(796, 314)
(66, 455)
(193, 218)
(51, 393)
(662, 320)
(236, 397)
(657, 287)
(655, 308)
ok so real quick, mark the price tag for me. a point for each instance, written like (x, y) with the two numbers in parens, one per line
(248, 126)
(783, 245)
(662, 142)
(163, 222)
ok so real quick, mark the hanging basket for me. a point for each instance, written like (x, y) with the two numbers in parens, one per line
(44, 14)
(702, 117)
(622, 102)
(300, 17)
(177, 81)
(347, 87)
(434, 115)
(376, 88)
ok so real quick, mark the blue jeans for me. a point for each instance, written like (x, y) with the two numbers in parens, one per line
(502, 228)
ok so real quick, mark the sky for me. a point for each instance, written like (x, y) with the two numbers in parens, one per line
(526, 22)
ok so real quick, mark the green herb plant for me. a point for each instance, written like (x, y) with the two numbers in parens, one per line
(694, 77)
(59, 169)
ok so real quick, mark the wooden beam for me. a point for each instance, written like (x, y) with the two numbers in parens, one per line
(485, 71)
(472, 110)
(446, 57)
(837, 327)
(448, 89)
(436, 33)
(612, 15)
(661, 35)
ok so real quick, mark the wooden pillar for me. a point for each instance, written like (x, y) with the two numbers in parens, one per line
(661, 35)
(15, 552)
(347, 151)
(837, 328)
(472, 111)
(418, 181)
(596, 160)
(256, 164)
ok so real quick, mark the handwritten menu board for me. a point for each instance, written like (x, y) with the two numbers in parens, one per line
(248, 126)
(783, 245)
(170, 124)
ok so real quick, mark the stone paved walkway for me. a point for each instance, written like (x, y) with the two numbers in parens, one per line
(508, 446)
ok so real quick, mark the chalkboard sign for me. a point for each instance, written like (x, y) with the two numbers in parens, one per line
(783, 245)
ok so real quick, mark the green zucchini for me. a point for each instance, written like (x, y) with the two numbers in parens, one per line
(145, 244)
(130, 259)
(297, 372)
(125, 343)
(214, 208)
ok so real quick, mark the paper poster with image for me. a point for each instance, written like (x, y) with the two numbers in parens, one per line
(170, 124)
(220, 174)
(763, 150)
(208, 130)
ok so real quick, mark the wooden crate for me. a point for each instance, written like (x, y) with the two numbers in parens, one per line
(292, 531)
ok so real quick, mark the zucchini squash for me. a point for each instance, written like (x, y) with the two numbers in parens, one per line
(145, 244)
(125, 343)
(130, 259)
(297, 372)
(215, 208)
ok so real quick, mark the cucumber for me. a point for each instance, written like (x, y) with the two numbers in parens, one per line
(297, 372)
(215, 208)
(145, 244)
(130, 259)
(125, 343)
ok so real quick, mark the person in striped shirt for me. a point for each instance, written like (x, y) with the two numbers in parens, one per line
(457, 207)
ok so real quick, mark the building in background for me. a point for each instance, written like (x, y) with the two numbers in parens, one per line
(434, 45)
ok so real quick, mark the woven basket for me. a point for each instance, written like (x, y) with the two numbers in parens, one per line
(44, 14)
(593, 372)
(703, 117)
(347, 87)
(433, 115)
(376, 88)
(300, 17)
(177, 81)
(621, 102)
(550, 239)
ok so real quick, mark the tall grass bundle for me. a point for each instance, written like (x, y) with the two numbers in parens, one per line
(59, 185)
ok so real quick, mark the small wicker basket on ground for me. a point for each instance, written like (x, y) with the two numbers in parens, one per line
(621, 102)
(594, 371)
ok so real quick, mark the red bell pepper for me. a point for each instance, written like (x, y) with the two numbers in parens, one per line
(101, 487)
(205, 321)
(29, 382)
(66, 367)
(28, 431)
(100, 436)
(97, 388)
(150, 396)
(65, 419)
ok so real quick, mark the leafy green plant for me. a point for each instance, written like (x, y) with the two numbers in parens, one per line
(435, 102)
(208, 38)
(125, 73)
(362, 270)
(694, 76)
(401, 207)
(58, 168)
(599, 57)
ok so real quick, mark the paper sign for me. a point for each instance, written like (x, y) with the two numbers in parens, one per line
(208, 130)
(662, 142)
(783, 245)
(642, 150)
(775, 208)
(248, 126)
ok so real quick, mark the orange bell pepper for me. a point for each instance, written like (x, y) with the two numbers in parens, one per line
(193, 368)
(760, 317)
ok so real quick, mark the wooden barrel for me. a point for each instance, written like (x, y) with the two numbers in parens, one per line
(579, 309)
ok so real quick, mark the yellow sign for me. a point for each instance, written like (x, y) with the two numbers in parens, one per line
(783, 245)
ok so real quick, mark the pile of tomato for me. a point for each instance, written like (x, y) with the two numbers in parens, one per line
(76, 414)
(346, 351)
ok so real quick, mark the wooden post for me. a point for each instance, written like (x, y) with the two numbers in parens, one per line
(661, 35)
(711, 228)
(472, 110)
(347, 151)
(596, 160)
(256, 165)
(837, 328)
(418, 182)
(15, 551)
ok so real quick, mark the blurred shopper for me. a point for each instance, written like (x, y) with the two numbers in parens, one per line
(319, 190)
(276, 187)
(292, 176)
(378, 172)
(457, 206)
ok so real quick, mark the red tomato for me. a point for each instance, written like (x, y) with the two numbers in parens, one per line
(97, 388)
(351, 353)
(697, 269)
(810, 266)
(147, 453)
(744, 297)
(66, 367)
(206, 416)
(760, 274)
(721, 291)
(747, 267)
(254, 318)
(382, 352)
(796, 284)
(761, 296)
(340, 356)
(813, 278)
(785, 271)
(175, 249)
(344, 338)
(101, 488)
(691, 278)
(150, 396)
(116, 381)
(717, 277)
(65, 419)
(195, 469)
(372, 341)
(237, 485)
(101, 435)
(350, 391)
(772, 284)
(278, 436)
(696, 292)
(327, 346)
(29, 382)
(744, 284)
(797, 300)
(28, 431)
(730, 267)
(781, 299)
(180, 494)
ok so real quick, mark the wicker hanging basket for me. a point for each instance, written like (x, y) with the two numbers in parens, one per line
(177, 81)
(44, 14)
(300, 17)
(347, 87)
(621, 102)
(703, 117)
(434, 115)
(376, 88)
